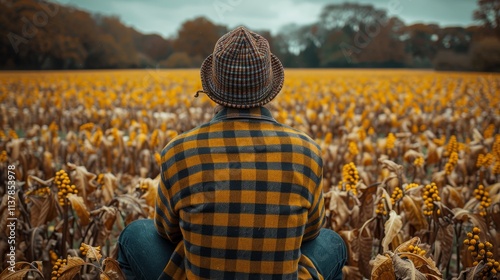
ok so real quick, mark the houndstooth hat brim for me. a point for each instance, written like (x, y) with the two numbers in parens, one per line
(242, 72)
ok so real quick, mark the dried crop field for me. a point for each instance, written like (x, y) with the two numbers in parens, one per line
(411, 165)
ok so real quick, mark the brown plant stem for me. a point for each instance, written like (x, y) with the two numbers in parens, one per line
(381, 233)
(65, 228)
(457, 235)
(414, 174)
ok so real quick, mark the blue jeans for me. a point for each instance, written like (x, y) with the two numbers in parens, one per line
(143, 253)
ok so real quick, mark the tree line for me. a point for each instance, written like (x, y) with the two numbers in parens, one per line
(44, 35)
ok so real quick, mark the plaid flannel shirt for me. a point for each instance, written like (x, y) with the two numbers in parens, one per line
(239, 195)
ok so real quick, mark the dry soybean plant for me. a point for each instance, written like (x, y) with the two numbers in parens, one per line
(411, 165)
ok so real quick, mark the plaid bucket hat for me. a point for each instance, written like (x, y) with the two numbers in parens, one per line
(242, 72)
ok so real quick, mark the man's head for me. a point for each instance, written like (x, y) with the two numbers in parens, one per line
(242, 72)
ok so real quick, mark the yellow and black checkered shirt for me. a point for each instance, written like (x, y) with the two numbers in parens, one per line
(239, 195)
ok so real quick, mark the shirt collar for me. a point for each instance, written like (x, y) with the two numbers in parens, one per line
(260, 113)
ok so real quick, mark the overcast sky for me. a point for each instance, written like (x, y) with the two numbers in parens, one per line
(166, 16)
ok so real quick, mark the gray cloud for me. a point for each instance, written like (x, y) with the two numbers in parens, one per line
(444, 12)
(165, 17)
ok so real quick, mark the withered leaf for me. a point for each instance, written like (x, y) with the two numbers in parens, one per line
(15, 147)
(151, 190)
(470, 273)
(444, 245)
(48, 163)
(411, 155)
(112, 269)
(405, 269)
(444, 216)
(351, 272)
(367, 159)
(72, 268)
(141, 143)
(495, 215)
(16, 275)
(20, 271)
(144, 163)
(421, 261)
(83, 180)
(439, 178)
(108, 217)
(463, 215)
(34, 181)
(42, 210)
(350, 238)
(367, 200)
(384, 195)
(80, 208)
(110, 184)
(451, 197)
(365, 244)
(477, 136)
(392, 227)
(433, 154)
(105, 222)
(466, 258)
(132, 206)
(404, 247)
(37, 241)
(428, 272)
(471, 205)
(412, 206)
(494, 189)
(382, 268)
(413, 190)
(391, 166)
(338, 209)
(93, 253)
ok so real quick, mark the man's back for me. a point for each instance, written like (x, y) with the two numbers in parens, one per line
(240, 193)
(239, 197)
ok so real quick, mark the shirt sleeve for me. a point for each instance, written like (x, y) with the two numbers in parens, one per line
(166, 219)
(316, 214)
